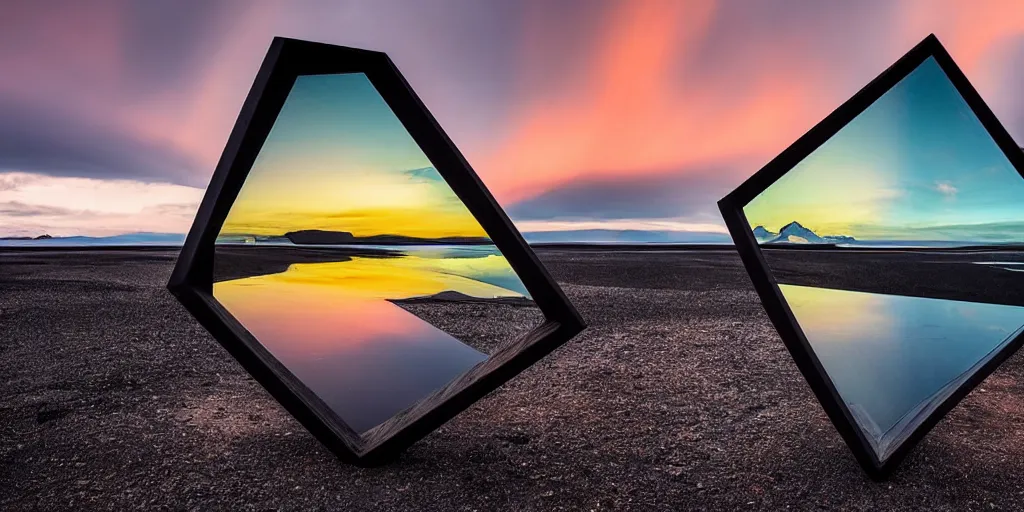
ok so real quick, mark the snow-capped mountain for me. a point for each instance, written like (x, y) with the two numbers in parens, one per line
(794, 232)
(763, 235)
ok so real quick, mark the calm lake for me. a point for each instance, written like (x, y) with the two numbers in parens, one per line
(331, 325)
(894, 358)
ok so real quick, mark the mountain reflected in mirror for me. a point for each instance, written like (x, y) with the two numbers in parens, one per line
(898, 247)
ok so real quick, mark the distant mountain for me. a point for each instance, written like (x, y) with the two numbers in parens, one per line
(125, 239)
(794, 232)
(322, 237)
(40, 237)
(250, 239)
(763, 235)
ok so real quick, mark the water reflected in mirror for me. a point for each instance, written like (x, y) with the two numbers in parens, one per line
(341, 328)
(351, 260)
(898, 245)
(894, 358)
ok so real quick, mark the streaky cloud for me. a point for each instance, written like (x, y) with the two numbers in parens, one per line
(687, 193)
(37, 140)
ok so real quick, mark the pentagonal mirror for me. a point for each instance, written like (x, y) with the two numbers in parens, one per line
(356, 264)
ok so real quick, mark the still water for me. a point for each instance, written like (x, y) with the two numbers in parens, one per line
(331, 325)
(894, 358)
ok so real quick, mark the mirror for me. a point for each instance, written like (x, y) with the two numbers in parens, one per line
(888, 247)
(351, 260)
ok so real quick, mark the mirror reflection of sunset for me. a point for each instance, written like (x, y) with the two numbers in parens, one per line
(313, 319)
(329, 324)
(385, 278)
(338, 159)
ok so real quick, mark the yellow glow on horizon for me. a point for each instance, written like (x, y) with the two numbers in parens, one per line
(310, 303)
(414, 222)
(326, 191)
(828, 194)
(338, 159)
(363, 204)
(385, 278)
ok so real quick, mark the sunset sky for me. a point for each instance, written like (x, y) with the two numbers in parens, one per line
(916, 165)
(339, 159)
(587, 113)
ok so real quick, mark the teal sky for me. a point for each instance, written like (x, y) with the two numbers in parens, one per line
(341, 120)
(339, 159)
(916, 165)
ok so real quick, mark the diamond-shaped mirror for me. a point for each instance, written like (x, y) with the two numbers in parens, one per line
(887, 246)
(347, 255)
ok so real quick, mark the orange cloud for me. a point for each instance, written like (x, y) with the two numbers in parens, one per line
(982, 37)
(640, 105)
(973, 31)
(635, 89)
(642, 109)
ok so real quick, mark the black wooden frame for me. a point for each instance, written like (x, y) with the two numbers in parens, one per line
(771, 297)
(192, 279)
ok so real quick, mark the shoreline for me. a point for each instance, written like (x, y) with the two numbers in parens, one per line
(678, 396)
(610, 247)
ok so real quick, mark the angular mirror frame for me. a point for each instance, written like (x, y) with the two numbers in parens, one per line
(768, 290)
(192, 279)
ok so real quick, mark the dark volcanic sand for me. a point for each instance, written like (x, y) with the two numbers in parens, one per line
(934, 274)
(678, 396)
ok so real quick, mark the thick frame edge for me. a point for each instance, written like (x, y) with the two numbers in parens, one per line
(282, 64)
(1013, 152)
(191, 281)
(794, 340)
(552, 335)
(470, 189)
(192, 276)
(731, 207)
(950, 403)
(775, 305)
(193, 250)
(198, 304)
(474, 194)
(1015, 155)
(833, 123)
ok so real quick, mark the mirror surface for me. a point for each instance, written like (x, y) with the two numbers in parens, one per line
(349, 258)
(898, 245)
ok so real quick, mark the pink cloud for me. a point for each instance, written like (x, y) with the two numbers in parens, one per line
(535, 100)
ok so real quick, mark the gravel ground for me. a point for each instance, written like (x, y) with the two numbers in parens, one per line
(485, 327)
(678, 396)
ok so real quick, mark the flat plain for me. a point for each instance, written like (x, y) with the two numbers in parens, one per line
(679, 395)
